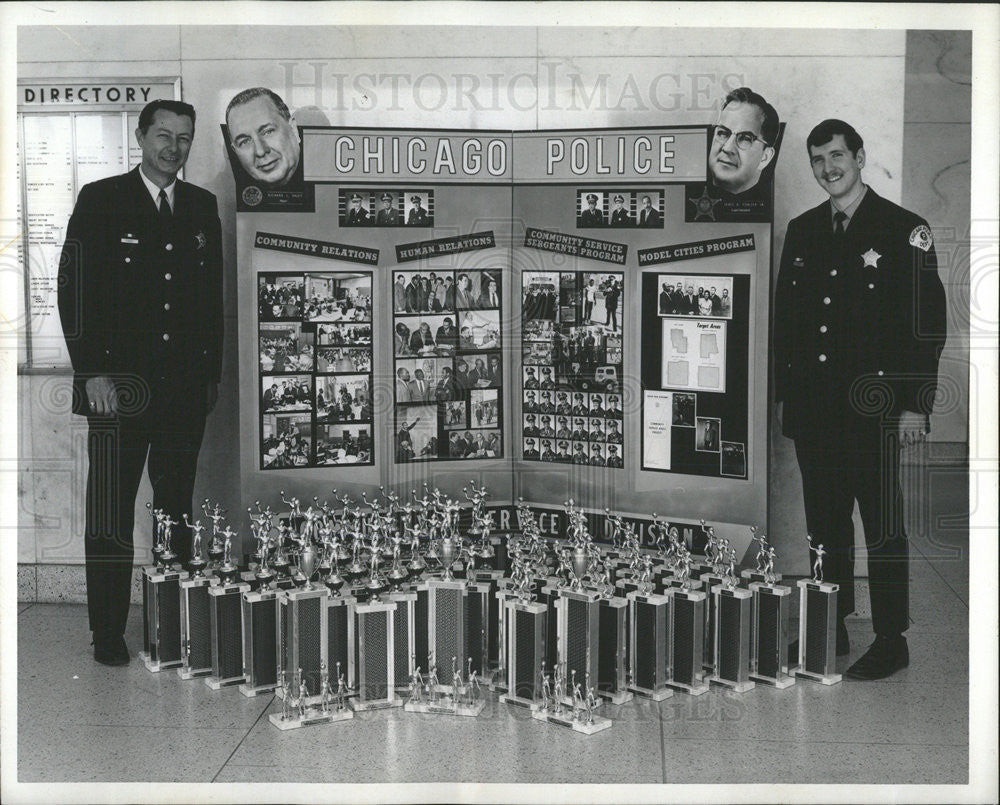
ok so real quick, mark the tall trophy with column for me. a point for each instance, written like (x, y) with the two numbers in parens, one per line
(161, 599)
(769, 624)
(817, 624)
(196, 639)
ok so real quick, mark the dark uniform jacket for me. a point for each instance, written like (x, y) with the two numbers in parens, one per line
(138, 301)
(858, 327)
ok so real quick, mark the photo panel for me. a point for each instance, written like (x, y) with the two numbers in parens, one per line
(621, 209)
(357, 207)
(279, 296)
(286, 441)
(581, 453)
(685, 408)
(597, 455)
(316, 358)
(601, 298)
(538, 330)
(446, 342)
(343, 444)
(591, 209)
(285, 348)
(338, 297)
(343, 398)
(649, 209)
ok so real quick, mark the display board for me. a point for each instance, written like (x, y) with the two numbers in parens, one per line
(70, 133)
(524, 325)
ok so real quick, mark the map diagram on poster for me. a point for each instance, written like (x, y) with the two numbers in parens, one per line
(694, 354)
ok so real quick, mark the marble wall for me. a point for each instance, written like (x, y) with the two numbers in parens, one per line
(510, 78)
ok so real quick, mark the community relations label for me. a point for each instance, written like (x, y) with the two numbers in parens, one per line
(316, 248)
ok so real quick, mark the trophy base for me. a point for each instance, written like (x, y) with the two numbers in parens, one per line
(446, 707)
(597, 724)
(498, 685)
(736, 687)
(193, 673)
(823, 679)
(310, 719)
(656, 695)
(509, 698)
(216, 683)
(376, 704)
(781, 682)
(616, 696)
(250, 692)
(692, 690)
(155, 666)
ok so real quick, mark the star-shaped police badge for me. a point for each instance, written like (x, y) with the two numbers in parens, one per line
(201, 239)
(871, 258)
(704, 205)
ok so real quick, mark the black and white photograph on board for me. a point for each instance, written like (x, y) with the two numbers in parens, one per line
(285, 348)
(286, 441)
(419, 208)
(539, 295)
(416, 432)
(478, 329)
(455, 415)
(349, 335)
(684, 409)
(649, 213)
(474, 444)
(427, 334)
(708, 431)
(423, 292)
(286, 393)
(279, 297)
(708, 295)
(343, 398)
(733, 459)
(337, 297)
(343, 359)
(343, 443)
(591, 209)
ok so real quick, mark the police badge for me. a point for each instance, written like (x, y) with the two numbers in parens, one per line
(921, 237)
(201, 240)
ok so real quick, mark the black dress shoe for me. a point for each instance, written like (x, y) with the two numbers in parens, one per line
(884, 657)
(111, 651)
(843, 644)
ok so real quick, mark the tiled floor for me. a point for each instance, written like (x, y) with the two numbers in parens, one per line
(80, 721)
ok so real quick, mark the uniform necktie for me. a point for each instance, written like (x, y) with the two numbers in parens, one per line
(165, 213)
(838, 223)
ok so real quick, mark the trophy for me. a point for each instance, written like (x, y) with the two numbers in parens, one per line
(817, 624)
(463, 697)
(259, 612)
(715, 556)
(649, 618)
(215, 549)
(731, 638)
(228, 571)
(196, 640)
(686, 631)
(524, 625)
(225, 602)
(300, 709)
(161, 603)
(769, 628)
(580, 717)
(374, 655)
(303, 632)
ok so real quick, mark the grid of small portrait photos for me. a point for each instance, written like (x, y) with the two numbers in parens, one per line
(448, 365)
(571, 360)
(315, 366)
(382, 207)
(619, 209)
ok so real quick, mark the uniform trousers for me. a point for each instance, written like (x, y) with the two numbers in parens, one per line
(865, 470)
(169, 431)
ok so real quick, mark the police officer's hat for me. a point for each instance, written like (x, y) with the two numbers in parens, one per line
(578, 395)
(577, 421)
(529, 416)
(386, 197)
(529, 369)
(529, 440)
(613, 447)
(563, 444)
(414, 199)
(562, 419)
(546, 370)
(591, 198)
(355, 197)
(620, 198)
(561, 394)
(546, 418)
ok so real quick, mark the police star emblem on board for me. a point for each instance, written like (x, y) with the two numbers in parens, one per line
(921, 237)
(871, 258)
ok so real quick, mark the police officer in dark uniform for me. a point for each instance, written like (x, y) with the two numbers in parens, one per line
(418, 215)
(591, 216)
(357, 215)
(859, 326)
(387, 216)
(614, 460)
(530, 451)
(140, 298)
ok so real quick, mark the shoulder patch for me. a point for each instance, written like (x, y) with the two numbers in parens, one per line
(921, 237)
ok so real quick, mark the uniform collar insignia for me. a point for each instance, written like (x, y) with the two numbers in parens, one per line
(871, 258)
